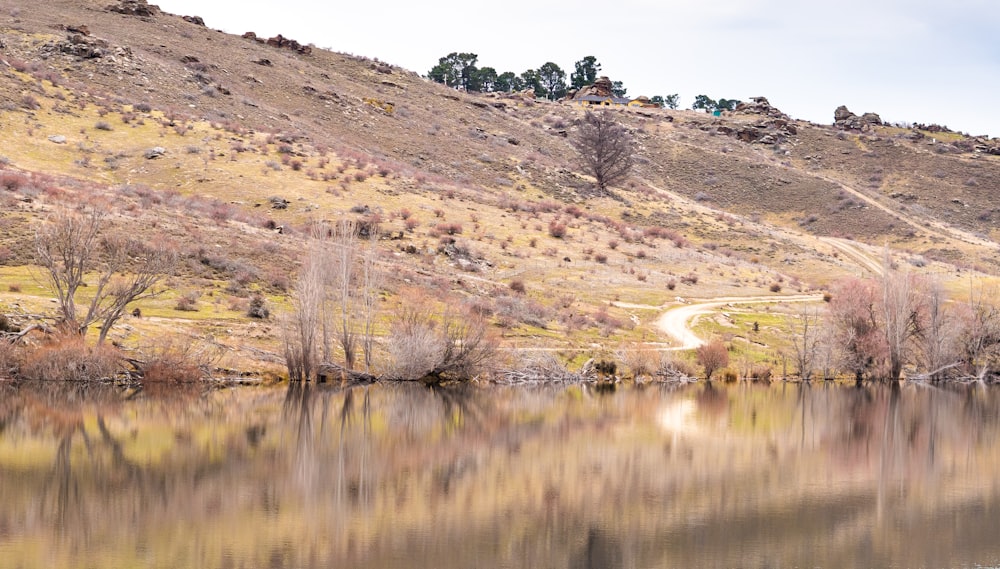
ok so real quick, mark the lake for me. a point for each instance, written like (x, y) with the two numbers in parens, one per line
(387, 476)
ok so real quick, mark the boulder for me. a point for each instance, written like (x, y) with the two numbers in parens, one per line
(842, 114)
(196, 20)
(600, 88)
(135, 8)
(846, 120)
(155, 152)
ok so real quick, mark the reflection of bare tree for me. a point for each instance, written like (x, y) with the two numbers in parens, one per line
(601, 550)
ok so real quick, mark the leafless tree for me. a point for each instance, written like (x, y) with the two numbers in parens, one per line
(71, 245)
(301, 328)
(341, 252)
(372, 279)
(980, 337)
(900, 306)
(607, 150)
(854, 316)
(336, 302)
(939, 334)
(805, 335)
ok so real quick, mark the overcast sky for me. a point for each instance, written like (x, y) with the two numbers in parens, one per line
(908, 60)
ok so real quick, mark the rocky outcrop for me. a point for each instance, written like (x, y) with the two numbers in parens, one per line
(602, 87)
(761, 106)
(844, 119)
(196, 20)
(281, 42)
(135, 8)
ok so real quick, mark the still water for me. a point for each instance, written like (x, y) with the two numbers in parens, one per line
(390, 476)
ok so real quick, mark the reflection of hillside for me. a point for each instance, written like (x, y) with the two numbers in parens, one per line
(398, 475)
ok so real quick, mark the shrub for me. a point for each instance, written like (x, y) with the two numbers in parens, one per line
(433, 347)
(172, 361)
(103, 125)
(640, 361)
(188, 302)
(258, 307)
(517, 285)
(775, 287)
(712, 356)
(557, 229)
(690, 279)
(66, 357)
(601, 258)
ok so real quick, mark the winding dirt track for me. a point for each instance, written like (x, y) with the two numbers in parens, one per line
(676, 321)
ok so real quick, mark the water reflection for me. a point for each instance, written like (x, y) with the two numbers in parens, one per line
(405, 476)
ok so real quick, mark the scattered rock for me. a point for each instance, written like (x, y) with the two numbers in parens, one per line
(79, 45)
(263, 61)
(382, 68)
(83, 30)
(196, 20)
(189, 59)
(57, 138)
(155, 152)
(135, 8)
(278, 202)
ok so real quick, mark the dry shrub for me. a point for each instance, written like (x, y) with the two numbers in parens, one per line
(174, 360)
(433, 345)
(9, 356)
(676, 367)
(67, 357)
(761, 372)
(713, 356)
(640, 361)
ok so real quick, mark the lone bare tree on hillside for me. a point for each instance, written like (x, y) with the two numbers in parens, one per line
(70, 245)
(607, 150)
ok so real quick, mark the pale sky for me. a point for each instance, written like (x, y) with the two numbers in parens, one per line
(908, 60)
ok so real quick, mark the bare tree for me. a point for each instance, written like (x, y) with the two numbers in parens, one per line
(301, 329)
(342, 251)
(372, 279)
(606, 148)
(854, 314)
(71, 245)
(805, 334)
(336, 302)
(980, 337)
(939, 334)
(900, 316)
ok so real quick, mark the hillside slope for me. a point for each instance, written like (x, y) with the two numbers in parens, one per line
(469, 190)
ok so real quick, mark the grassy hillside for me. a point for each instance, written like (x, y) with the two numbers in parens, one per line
(233, 149)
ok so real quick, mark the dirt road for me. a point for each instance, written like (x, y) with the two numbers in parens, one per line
(676, 321)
